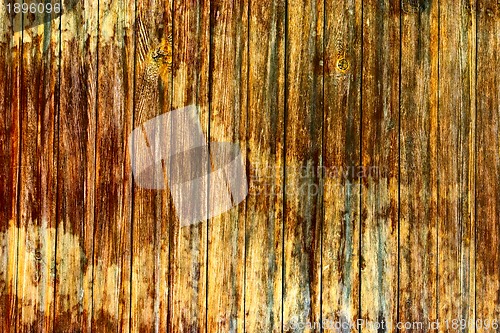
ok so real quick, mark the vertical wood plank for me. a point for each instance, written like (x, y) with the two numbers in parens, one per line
(39, 108)
(265, 133)
(112, 228)
(303, 156)
(418, 164)
(380, 152)
(488, 166)
(10, 59)
(76, 169)
(342, 133)
(228, 98)
(456, 164)
(191, 43)
(152, 217)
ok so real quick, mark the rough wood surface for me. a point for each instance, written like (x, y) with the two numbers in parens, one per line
(113, 199)
(380, 152)
(455, 161)
(487, 237)
(265, 134)
(228, 114)
(342, 182)
(418, 164)
(188, 260)
(38, 174)
(303, 160)
(152, 213)
(10, 67)
(76, 170)
(369, 134)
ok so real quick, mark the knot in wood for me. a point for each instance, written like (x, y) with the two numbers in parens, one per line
(343, 64)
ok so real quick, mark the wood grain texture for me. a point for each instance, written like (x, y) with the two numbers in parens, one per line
(76, 169)
(418, 164)
(455, 160)
(37, 202)
(228, 114)
(152, 215)
(369, 130)
(188, 260)
(487, 254)
(10, 67)
(113, 208)
(303, 157)
(341, 145)
(380, 152)
(265, 133)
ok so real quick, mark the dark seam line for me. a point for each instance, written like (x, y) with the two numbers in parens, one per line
(283, 213)
(360, 226)
(398, 301)
(437, 158)
(322, 181)
(475, 163)
(197, 94)
(132, 190)
(247, 170)
(20, 119)
(58, 123)
(95, 165)
(460, 161)
(169, 204)
(210, 92)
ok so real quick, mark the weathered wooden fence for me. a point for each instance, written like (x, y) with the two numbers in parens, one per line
(370, 135)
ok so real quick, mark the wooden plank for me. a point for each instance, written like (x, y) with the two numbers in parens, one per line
(264, 221)
(418, 164)
(112, 227)
(228, 98)
(152, 217)
(39, 107)
(191, 43)
(10, 60)
(76, 169)
(456, 164)
(303, 156)
(342, 183)
(487, 241)
(380, 160)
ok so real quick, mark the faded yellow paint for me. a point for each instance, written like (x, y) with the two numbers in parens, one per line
(8, 256)
(74, 286)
